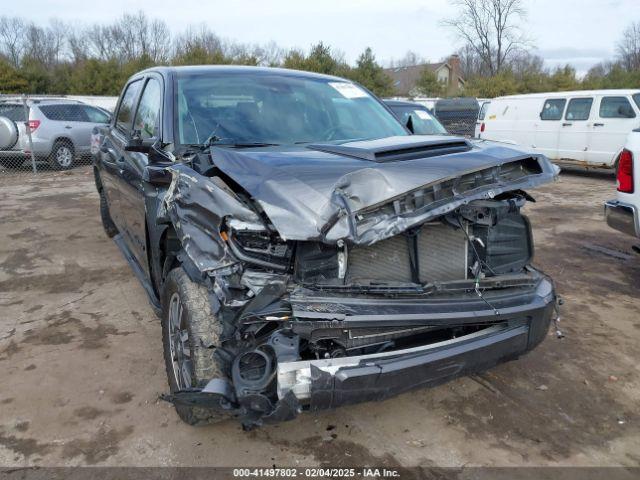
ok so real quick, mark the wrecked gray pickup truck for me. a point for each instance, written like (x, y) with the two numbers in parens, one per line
(305, 251)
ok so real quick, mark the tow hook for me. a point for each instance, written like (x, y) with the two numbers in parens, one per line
(556, 319)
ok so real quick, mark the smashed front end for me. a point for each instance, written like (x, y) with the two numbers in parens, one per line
(380, 298)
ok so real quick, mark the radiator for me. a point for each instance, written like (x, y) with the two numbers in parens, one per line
(442, 254)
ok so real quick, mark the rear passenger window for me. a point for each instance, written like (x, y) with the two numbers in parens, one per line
(553, 109)
(125, 112)
(616, 107)
(146, 121)
(64, 112)
(579, 109)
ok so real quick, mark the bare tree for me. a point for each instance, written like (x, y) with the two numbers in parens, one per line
(200, 37)
(269, 55)
(46, 45)
(12, 38)
(491, 28)
(409, 60)
(628, 47)
(470, 62)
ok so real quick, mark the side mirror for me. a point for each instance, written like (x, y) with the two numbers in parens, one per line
(137, 144)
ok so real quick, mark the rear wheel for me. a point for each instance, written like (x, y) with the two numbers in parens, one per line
(62, 155)
(189, 330)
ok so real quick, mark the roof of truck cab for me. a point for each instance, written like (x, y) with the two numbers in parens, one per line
(574, 93)
(249, 70)
(404, 103)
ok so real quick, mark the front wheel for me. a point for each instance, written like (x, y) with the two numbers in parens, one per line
(62, 155)
(190, 334)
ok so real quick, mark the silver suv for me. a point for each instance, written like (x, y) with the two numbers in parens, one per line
(60, 131)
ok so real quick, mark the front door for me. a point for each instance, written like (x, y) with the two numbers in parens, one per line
(146, 126)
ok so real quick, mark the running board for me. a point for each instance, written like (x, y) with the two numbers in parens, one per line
(139, 273)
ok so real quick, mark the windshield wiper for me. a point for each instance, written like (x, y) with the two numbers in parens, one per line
(249, 144)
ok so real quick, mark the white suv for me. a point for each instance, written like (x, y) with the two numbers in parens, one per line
(60, 131)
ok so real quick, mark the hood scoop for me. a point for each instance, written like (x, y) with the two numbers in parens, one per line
(393, 149)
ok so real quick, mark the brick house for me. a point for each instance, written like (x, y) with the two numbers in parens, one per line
(448, 72)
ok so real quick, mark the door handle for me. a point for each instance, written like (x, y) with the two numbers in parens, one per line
(598, 124)
(68, 127)
(566, 124)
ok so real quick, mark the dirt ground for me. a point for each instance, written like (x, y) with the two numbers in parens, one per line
(81, 358)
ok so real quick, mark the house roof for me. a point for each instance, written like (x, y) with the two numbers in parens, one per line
(405, 78)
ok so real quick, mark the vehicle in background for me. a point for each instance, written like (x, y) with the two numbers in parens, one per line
(457, 115)
(416, 117)
(60, 131)
(304, 251)
(585, 128)
(623, 213)
(12, 128)
(484, 106)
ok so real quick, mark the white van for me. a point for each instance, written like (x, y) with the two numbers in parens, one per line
(587, 128)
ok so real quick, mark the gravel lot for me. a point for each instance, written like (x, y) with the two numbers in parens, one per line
(81, 358)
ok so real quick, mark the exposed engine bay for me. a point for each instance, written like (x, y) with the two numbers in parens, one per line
(336, 280)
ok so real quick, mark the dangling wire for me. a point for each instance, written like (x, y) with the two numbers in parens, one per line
(479, 270)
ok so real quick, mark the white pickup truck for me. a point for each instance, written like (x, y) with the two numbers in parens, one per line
(623, 213)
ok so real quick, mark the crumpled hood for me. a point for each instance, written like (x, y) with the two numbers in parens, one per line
(309, 194)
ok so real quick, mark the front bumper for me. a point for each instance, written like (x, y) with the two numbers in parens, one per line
(622, 217)
(519, 321)
(333, 382)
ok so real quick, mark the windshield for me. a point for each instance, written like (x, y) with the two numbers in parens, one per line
(422, 121)
(272, 108)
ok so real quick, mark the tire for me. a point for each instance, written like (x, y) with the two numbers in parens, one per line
(107, 222)
(202, 329)
(62, 155)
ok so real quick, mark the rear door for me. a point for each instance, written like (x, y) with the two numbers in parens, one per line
(146, 125)
(111, 154)
(575, 129)
(548, 128)
(616, 117)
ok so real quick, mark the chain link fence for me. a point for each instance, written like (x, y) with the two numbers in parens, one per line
(46, 133)
(457, 115)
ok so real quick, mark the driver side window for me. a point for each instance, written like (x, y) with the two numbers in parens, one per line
(148, 113)
(125, 112)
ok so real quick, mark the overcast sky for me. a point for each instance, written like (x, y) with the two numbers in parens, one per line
(579, 32)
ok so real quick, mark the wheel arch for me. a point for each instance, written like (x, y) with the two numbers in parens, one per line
(63, 138)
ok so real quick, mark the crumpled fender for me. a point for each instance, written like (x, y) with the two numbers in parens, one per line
(197, 206)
